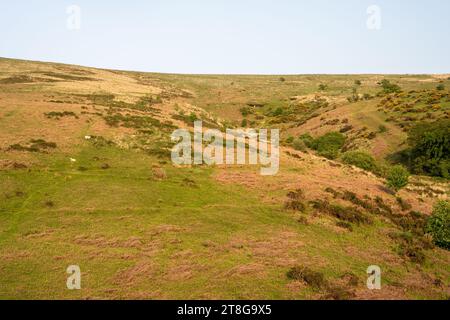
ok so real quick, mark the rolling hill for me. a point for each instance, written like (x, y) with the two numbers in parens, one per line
(86, 179)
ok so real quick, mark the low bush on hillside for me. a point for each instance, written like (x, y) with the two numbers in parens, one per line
(346, 214)
(382, 129)
(299, 145)
(438, 225)
(329, 145)
(313, 278)
(403, 204)
(397, 178)
(245, 111)
(295, 201)
(35, 145)
(430, 148)
(17, 79)
(57, 115)
(317, 281)
(345, 225)
(389, 87)
(307, 140)
(361, 160)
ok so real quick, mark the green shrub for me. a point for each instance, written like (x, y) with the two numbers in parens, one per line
(438, 225)
(313, 278)
(430, 148)
(278, 112)
(382, 129)
(339, 293)
(440, 87)
(397, 178)
(367, 96)
(346, 214)
(290, 139)
(413, 252)
(389, 87)
(403, 204)
(303, 220)
(193, 117)
(307, 139)
(245, 111)
(299, 145)
(295, 201)
(360, 159)
(35, 145)
(329, 145)
(58, 115)
(345, 225)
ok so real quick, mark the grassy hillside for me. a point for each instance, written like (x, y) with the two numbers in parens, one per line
(86, 179)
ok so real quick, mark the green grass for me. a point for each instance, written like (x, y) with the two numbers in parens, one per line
(108, 207)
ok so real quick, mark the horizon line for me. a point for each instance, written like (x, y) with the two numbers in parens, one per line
(230, 74)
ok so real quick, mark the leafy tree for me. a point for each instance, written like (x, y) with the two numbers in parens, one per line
(430, 148)
(438, 225)
(440, 87)
(397, 178)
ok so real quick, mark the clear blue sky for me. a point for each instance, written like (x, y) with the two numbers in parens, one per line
(232, 36)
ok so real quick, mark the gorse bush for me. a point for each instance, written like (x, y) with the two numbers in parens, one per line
(389, 87)
(313, 278)
(397, 178)
(361, 160)
(382, 129)
(299, 145)
(295, 201)
(329, 145)
(345, 214)
(438, 225)
(277, 112)
(430, 148)
(245, 111)
(307, 139)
